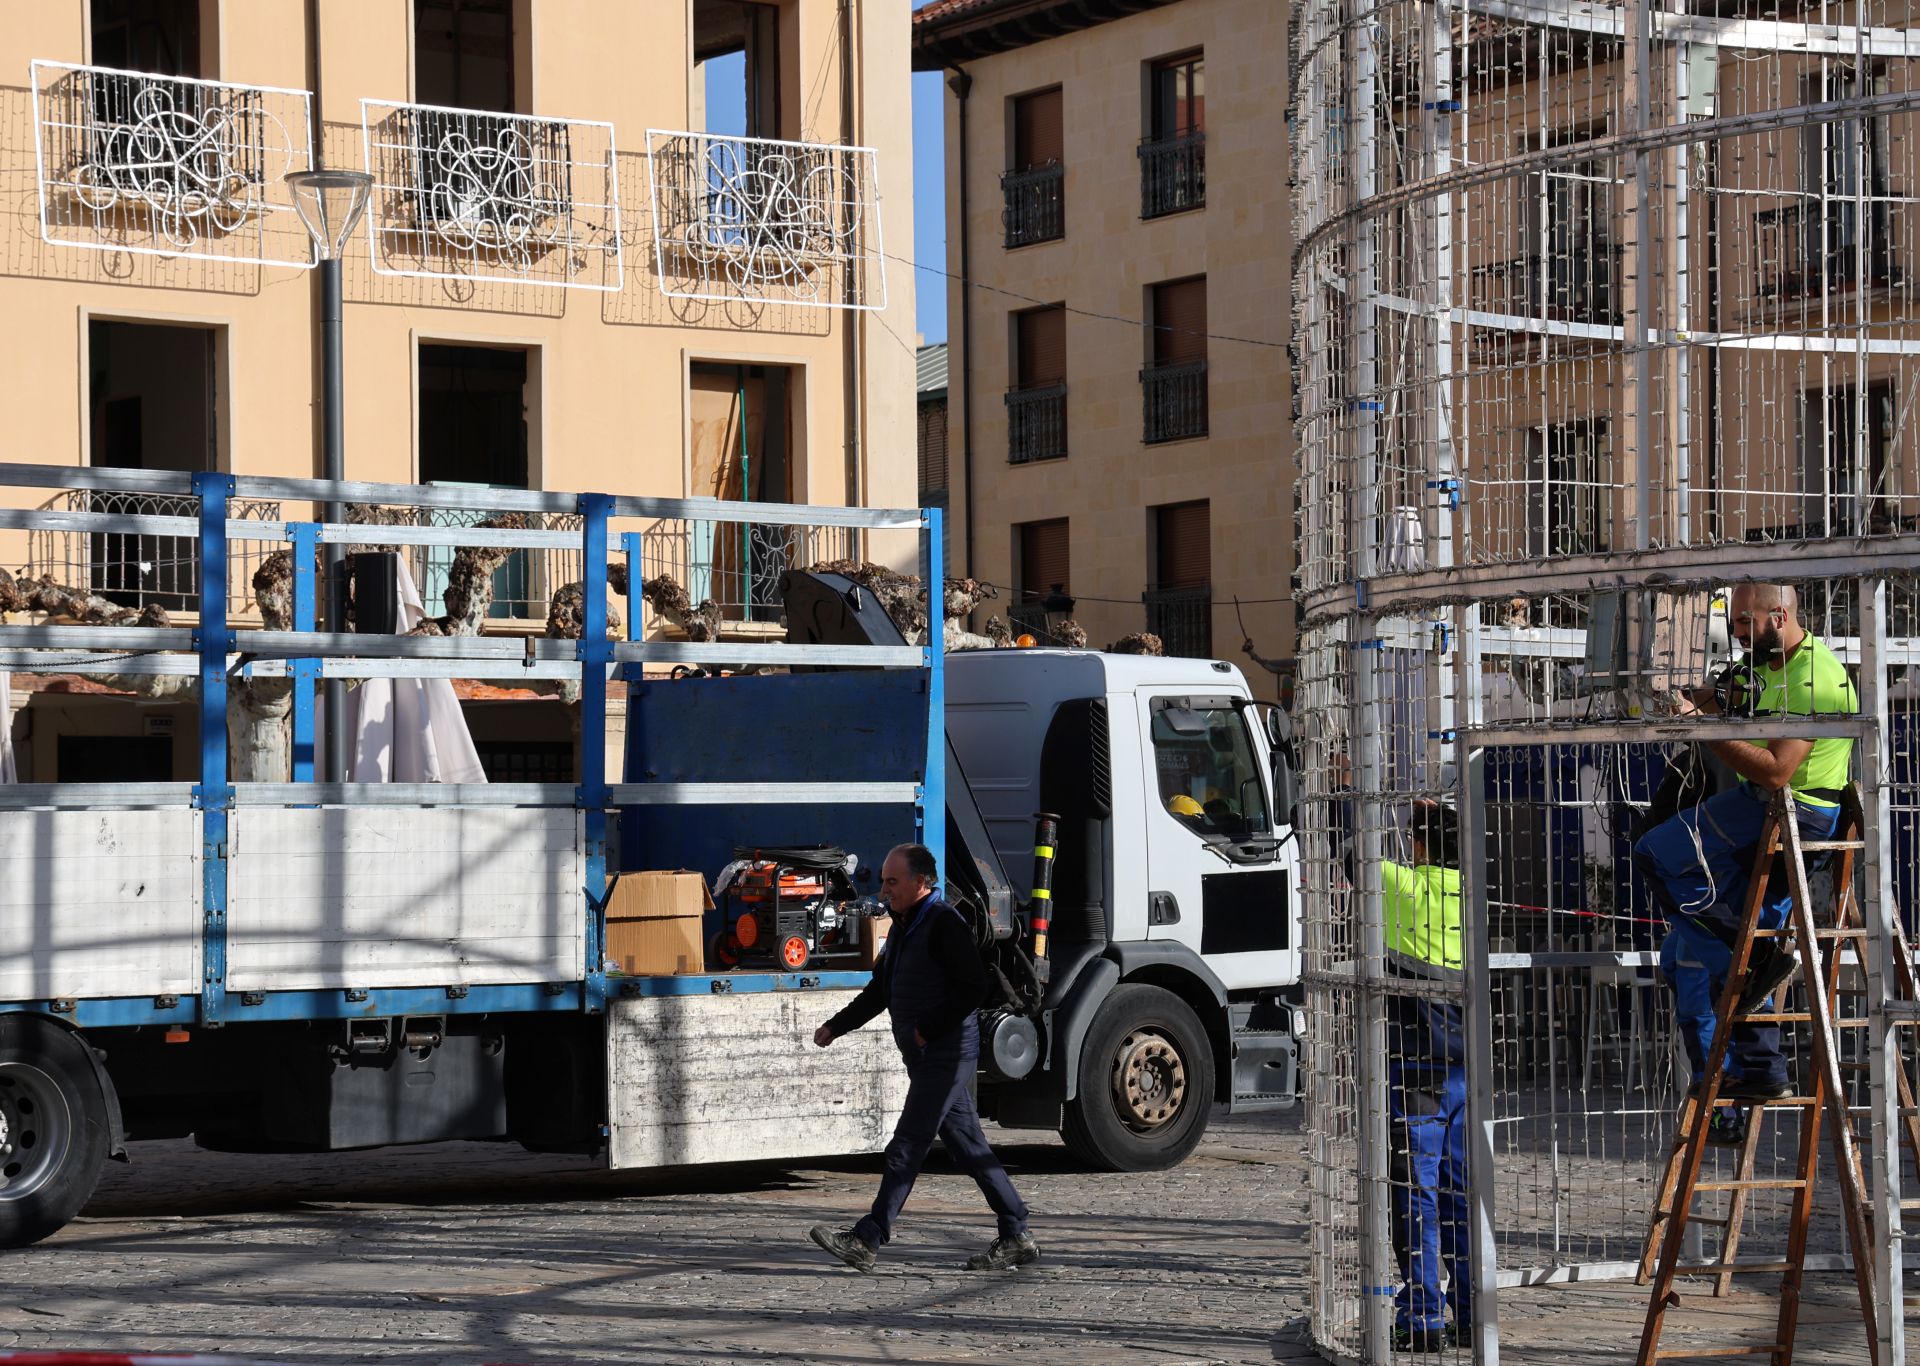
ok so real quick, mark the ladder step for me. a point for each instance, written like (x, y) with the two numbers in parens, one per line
(1687, 1353)
(1820, 846)
(1795, 1017)
(1741, 1268)
(1754, 1185)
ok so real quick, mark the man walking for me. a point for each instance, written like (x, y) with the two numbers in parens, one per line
(930, 981)
(1427, 1080)
(1698, 863)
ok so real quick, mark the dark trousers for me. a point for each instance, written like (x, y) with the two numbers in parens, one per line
(1428, 1169)
(939, 1103)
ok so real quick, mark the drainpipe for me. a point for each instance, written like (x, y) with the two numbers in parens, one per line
(856, 480)
(961, 83)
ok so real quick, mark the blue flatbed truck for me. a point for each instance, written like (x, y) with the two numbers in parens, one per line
(314, 966)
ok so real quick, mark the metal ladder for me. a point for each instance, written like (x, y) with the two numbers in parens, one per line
(1819, 975)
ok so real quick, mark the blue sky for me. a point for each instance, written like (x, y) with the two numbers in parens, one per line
(727, 114)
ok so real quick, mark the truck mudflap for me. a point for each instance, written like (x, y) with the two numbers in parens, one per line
(692, 1079)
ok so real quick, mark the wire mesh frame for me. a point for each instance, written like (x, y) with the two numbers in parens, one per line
(761, 220)
(462, 193)
(1397, 382)
(170, 165)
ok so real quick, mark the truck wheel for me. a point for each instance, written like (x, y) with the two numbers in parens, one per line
(1146, 1083)
(53, 1128)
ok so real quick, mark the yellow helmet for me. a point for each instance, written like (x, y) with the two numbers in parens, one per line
(1180, 804)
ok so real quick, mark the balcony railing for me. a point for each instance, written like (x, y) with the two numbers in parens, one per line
(1036, 424)
(1182, 618)
(1173, 174)
(737, 566)
(1035, 204)
(460, 193)
(145, 571)
(1580, 285)
(762, 221)
(1802, 249)
(131, 161)
(1173, 401)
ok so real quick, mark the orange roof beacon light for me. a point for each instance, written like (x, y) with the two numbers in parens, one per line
(1025, 642)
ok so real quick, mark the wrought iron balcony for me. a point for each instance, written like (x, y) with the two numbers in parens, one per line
(738, 566)
(1173, 401)
(1036, 424)
(460, 194)
(1182, 618)
(1580, 284)
(762, 221)
(1802, 249)
(130, 161)
(1173, 174)
(137, 570)
(1036, 204)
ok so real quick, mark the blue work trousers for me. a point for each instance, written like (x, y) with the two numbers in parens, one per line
(1698, 867)
(1428, 1170)
(940, 1103)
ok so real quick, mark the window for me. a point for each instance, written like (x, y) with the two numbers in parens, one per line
(464, 55)
(1569, 508)
(1173, 166)
(1173, 387)
(1035, 183)
(1204, 760)
(1042, 571)
(1844, 212)
(736, 56)
(1847, 445)
(1037, 401)
(160, 36)
(1569, 267)
(475, 433)
(151, 406)
(1179, 600)
(741, 420)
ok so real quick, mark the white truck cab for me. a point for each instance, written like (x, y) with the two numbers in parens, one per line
(1175, 930)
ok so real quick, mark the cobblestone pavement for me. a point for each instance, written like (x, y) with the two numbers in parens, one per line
(464, 1253)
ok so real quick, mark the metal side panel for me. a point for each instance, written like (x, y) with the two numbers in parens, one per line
(99, 903)
(341, 897)
(694, 1079)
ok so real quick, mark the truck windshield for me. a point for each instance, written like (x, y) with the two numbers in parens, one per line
(1209, 778)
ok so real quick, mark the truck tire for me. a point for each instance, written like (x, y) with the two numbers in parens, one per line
(1146, 1083)
(53, 1128)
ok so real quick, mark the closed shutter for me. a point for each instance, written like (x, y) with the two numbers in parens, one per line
(1180, 321)
(1037, 134)
(933, 445)
(1042, 346)
(1185, 546)
(1043, 558)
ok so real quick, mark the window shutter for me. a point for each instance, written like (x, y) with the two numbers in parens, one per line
(1042, 344)
(933, 445)
(1038, 137)
(1043, 557)
(1180, 321)
(1185, 546)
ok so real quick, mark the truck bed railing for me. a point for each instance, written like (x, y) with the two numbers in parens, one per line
(228, 823)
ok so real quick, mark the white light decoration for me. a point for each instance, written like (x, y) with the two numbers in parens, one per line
(169, 166)
(764, 221)
(465, 194)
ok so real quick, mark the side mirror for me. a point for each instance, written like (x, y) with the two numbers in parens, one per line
(1286, 775)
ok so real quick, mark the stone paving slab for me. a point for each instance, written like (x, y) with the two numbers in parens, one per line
(469, 1253)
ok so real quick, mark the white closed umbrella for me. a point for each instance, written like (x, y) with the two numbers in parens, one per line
(409, 730)
(8, 773)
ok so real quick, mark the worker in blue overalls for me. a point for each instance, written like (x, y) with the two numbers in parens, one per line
(1698, 864)
(1427, 1082)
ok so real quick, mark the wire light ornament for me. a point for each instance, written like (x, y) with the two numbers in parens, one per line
(765, 221)
(463, 194)
(169, 166)
(1600, 310)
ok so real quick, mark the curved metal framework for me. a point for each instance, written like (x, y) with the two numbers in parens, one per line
(1598, 310)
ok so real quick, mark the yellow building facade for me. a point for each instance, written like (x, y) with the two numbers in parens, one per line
(620, 246)
(1119, 384)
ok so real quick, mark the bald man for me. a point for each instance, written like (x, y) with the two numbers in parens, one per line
(1698, 863)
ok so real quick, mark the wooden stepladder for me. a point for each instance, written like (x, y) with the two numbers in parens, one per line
(1822, 949)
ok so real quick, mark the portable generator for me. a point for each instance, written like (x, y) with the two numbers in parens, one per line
(789, 908)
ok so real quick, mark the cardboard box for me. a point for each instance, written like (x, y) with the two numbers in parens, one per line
(873, 935)
(654, 923)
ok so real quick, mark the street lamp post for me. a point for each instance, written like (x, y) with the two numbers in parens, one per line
(330, 205)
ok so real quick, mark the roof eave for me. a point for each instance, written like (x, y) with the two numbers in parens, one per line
(1010, 24)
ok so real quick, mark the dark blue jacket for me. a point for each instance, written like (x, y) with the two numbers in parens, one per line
(928, 978)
